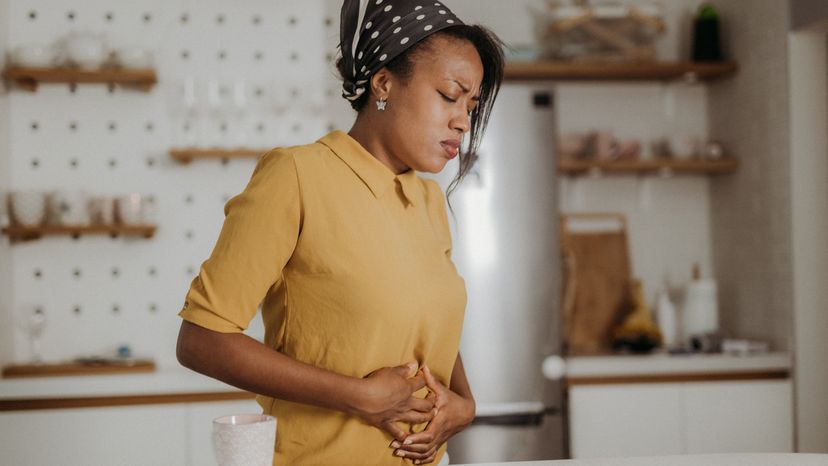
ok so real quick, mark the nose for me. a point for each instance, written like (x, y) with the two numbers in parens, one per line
(461, 122)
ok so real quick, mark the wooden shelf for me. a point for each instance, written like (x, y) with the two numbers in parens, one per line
(592, 71)
(187, 155)
(709, 167)
(22, 233)
(129, 366)
(29, 78)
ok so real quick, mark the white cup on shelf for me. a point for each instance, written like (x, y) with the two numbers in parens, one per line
(129, 209)
(67, 207)
(244, 439)
(27, 208)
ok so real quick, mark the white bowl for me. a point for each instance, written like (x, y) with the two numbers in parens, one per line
(133, 57)
(33, 55)
(85, 50)
(27, 208)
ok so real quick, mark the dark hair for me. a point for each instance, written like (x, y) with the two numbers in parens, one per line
(490, 49)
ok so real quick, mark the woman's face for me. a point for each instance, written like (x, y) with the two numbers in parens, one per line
(428, 114)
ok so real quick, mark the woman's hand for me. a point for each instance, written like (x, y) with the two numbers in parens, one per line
(387, 399)
(453, 414)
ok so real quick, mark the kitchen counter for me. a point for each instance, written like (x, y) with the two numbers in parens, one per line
(662, 366)
(165, 385)
(759, 459)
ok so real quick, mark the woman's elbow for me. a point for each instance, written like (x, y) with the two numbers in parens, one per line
(184, 348)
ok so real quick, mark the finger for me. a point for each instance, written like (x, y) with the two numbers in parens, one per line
(417, 382)
(416, 417)
(432, 382)
(428, 460)
(425, 436)
(394, 430)
(421, 448)
(416, 456)
(407, 370)
(419, 404)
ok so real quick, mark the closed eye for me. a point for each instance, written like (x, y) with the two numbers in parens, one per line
(447, 98)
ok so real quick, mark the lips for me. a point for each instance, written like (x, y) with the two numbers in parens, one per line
(451, 147)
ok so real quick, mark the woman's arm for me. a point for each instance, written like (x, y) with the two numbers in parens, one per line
(382, 398)
(459, 384)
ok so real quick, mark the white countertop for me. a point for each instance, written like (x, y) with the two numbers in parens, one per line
(165, 380)
(664, 363)
(738, 459)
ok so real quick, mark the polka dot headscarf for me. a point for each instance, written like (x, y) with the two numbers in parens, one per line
(374, 32)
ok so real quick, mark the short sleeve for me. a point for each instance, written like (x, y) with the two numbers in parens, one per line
(258, 237)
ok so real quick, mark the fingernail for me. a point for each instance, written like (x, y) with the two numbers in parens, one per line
(416, 461)
(400, 453)
(395, 444)
(408, 441)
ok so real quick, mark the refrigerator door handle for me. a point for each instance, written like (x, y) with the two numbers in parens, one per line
(513, 414)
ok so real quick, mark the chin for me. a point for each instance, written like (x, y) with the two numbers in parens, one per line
(433, 166)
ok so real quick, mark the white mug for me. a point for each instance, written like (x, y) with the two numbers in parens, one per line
(244, 440)
(27, 208)
(129, 209)
(68, 208)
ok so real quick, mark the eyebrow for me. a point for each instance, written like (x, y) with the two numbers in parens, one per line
(465, 89)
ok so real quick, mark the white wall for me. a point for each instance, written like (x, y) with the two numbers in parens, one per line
(808, 73)
(6, 323)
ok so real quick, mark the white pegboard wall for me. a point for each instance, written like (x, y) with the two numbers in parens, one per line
(98, 292)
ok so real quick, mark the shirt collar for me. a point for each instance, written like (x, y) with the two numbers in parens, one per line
(371, 171)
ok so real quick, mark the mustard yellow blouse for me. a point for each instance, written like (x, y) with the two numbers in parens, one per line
(351, 264)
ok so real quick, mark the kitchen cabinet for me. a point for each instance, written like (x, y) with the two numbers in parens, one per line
(178, 434)
(634, 419)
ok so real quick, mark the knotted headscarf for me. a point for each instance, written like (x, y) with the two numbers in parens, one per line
(374, 32)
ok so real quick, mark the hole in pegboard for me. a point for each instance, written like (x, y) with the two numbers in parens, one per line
(257, 20)
(190, 270)
(222, 55)
(225, 198)
(297, 127)
(35, 126)
(189, 234)
(188, 199)
(147, 18)
(113, 163)
(73, 163)
(293, 20)
(260, 127)
(186, 127)
(109, 16)
(115, 272)
(73, 126)
(330, 92)
(224, 162)
(258, 92)
(328, 21)
(152, 271)
(153, 308)
(38, 273)
(116, 309)
(223, 127)
(294, 92)
(70, 15)
(35, 163)
(32, 15)
(184, 18)
(76, 310)
(112, 126)
(294, 56)
(258, 55)
(331, 127)
(329, 57)
(150, 161)
(76, 273)
(149, 127)
(220, 18)
(185, 54)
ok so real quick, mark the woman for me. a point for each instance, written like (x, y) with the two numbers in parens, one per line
(348, 252)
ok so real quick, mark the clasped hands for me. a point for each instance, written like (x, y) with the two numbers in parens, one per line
(389, 400)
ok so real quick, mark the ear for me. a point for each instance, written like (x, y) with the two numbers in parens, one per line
(381, 82)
